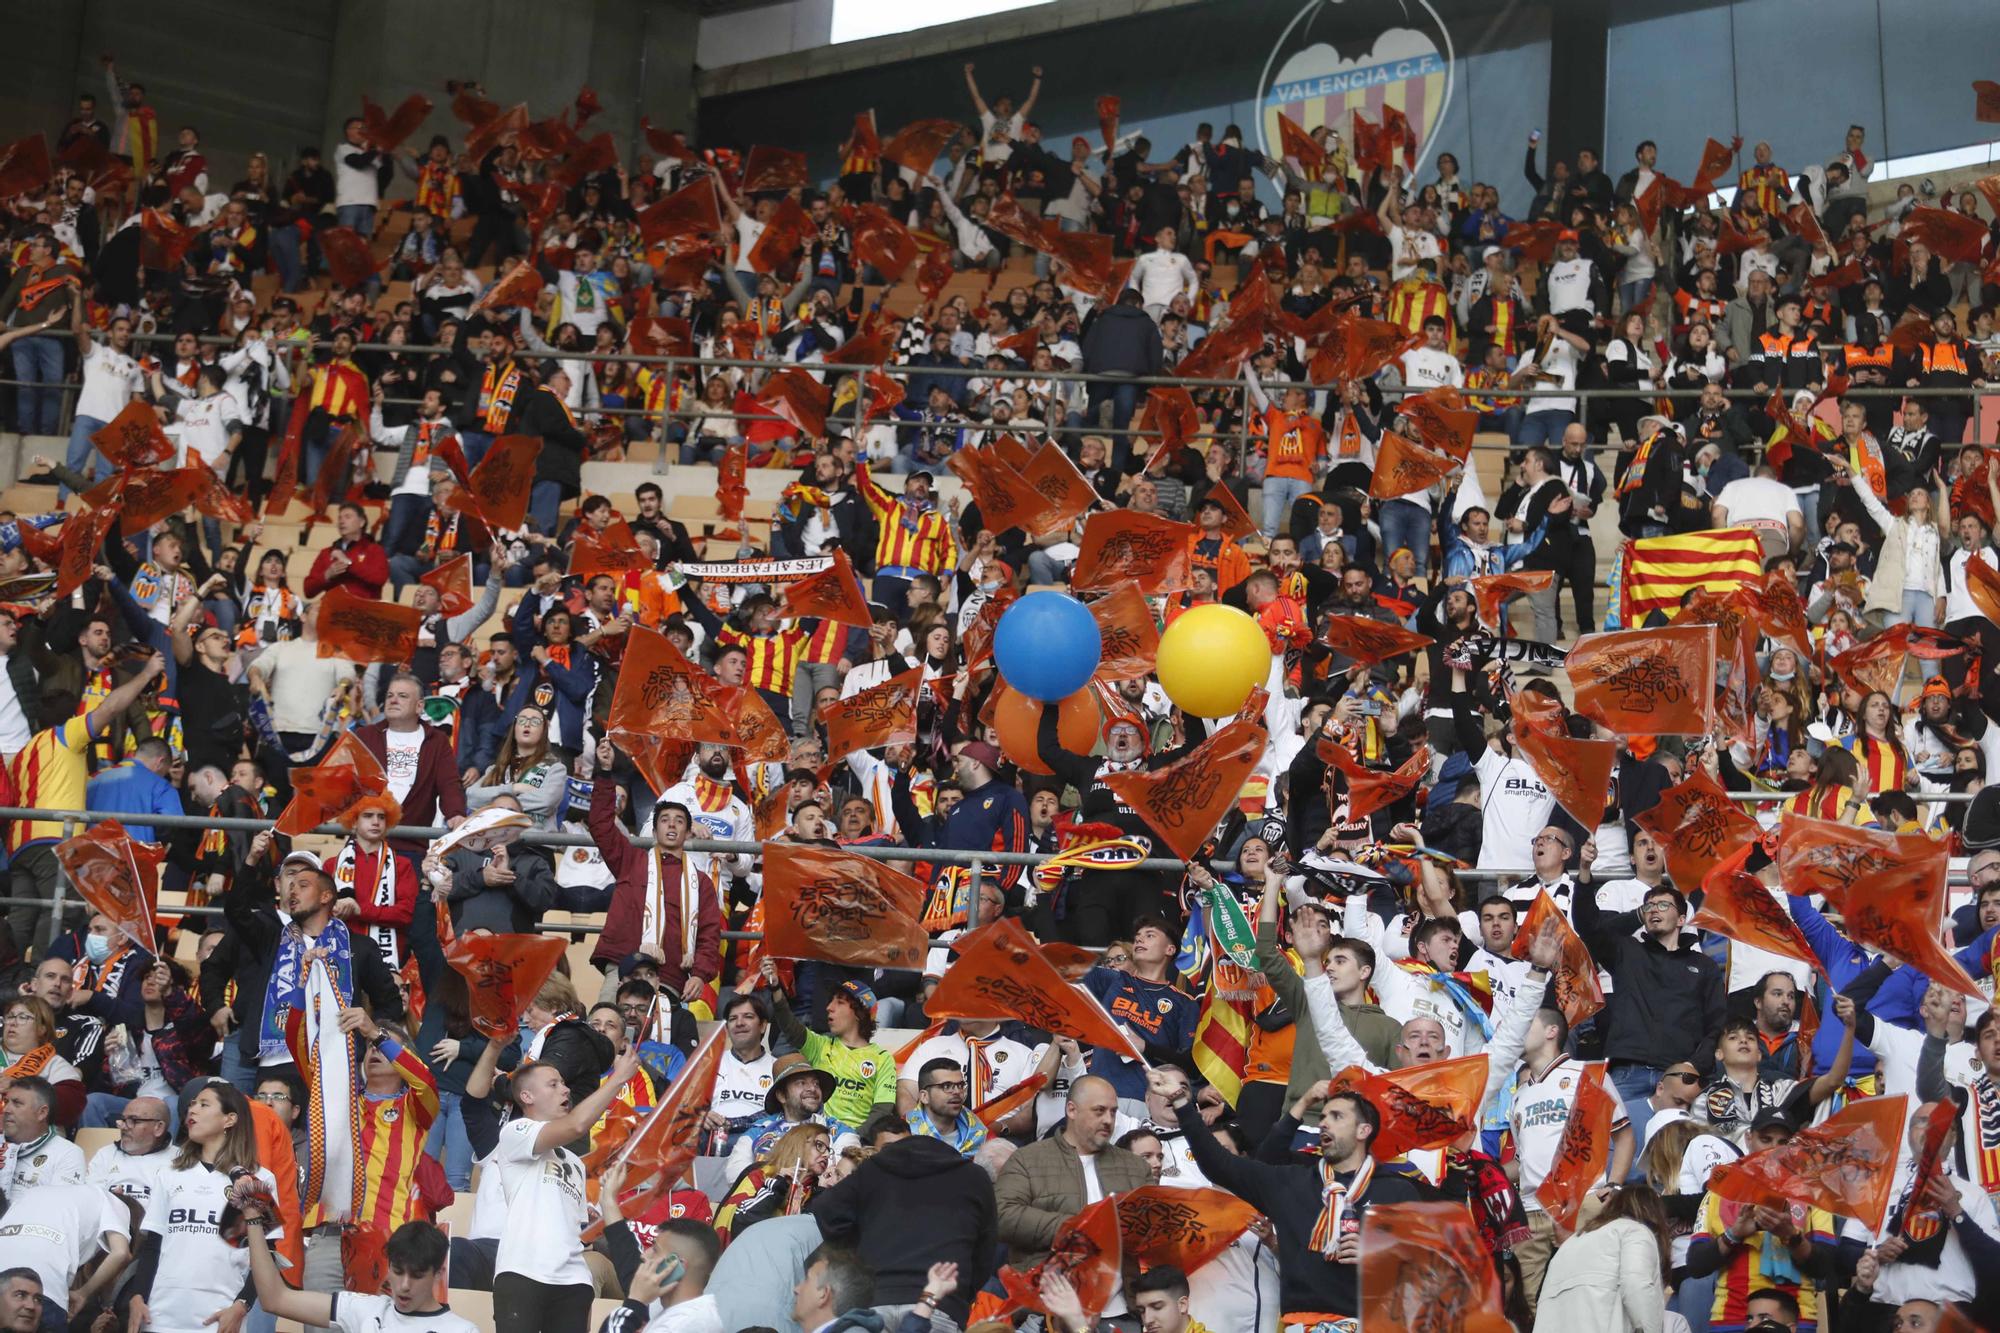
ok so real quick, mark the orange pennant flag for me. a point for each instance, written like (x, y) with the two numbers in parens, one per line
(150, 497)
(365, 629)
(453, 581)
(1889, 887)
(881, 242)
(497, 491)
(1425, 1266)
(24, 166)
(83, 537)
(1056, 479)
(1584, 1152)
(1184, 801)
(1295, 143)
(614, 551)
(1737, 904)
(1236, 521)
(1875, 664)
(1369, 789)
(1986, 101)
(346, 773)
(1000, 972)
(1120, 545)
(1647, 682)
(1422, 1106)
(503, 974)
(1403, 468)
(1576, 772)
(213, 498)
(918, 143)
(977, 642)
(1370, 641)
(1129, 640)
(759, 734)
(1949, 233)
(837, 907)
(663, 1148)
(521, 287)
(349, 260)
(1004, 497)
(1937, 1126)
(769, 168)
(1087, 1251)
(1698, 825)
(1107, 121)
(784, 232)
(1356, 347)
(1778, 612)
(116, 876)
(1491, 591)
(133, 438)
(1441, 421)
(662, 694)
(692, 210)
(387, 131)
(1577, 992)
(1168, 1224)
(1982, 585)
(992, 1112)
(1846, 1164)
(797, 397)
(884, 714)
(832, 594)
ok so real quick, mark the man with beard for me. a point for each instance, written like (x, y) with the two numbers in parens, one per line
(717, 812)
(1775, 1005)
(991, 816)
(270, 944)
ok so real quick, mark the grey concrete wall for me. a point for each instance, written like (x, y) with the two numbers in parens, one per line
(253, 76)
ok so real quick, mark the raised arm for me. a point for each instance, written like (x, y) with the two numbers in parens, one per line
(972, 86)
(1335, 1041)
(1034, 93)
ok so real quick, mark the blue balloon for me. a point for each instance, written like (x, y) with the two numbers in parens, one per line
(1047, 645)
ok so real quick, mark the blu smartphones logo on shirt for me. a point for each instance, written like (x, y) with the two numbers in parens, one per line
(1337, 58)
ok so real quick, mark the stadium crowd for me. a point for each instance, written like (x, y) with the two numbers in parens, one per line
(1434, 960)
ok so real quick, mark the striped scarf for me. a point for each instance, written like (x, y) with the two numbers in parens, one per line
(1986, 1153)
(496, 395)
(347, 866)
(1472, 992)
(326, 1059)
(437, 186)
(1336, 1200)
(968, 1135)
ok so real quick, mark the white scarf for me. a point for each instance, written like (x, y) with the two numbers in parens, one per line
(656, 911)
(325, 1057)
(344, 870)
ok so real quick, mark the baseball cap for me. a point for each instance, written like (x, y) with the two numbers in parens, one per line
(300, 858)
(1774, 1117)
(858, 991)
(1567, 234)
(984, 753)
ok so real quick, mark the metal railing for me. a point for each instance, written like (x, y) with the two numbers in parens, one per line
(73, 821)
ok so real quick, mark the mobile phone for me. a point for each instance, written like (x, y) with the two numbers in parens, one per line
(1371, 708)
(1534, 136)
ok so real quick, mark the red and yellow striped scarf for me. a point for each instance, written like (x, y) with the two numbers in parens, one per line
(1337, 1199)
(710, 795)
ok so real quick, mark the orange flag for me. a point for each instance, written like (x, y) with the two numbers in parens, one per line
(614, 551)
(503, 974)
(1056, 479)
(1369, 789)
(1889, 887)
(133, 438)
(883, 394)
(832, 594)
(1166, 1224)
(1739, 905)
(116, 876)
(662, 694)
(24, 166)
(521, 286)
(1087, 1251)
(1000, 972)
(365, 629)
(453, 581)
(1171, 412)
(386, 131)
(918, 143)
(349, 260)
(1005, 498)
(1647, 682)
(1778, 612)
(1356, 347)
(1986, 101)
(884, 714)
(692, 210)
(1949, 233)
(83, 537)
(759, 734)
(1577, 993)
(662, 1149)
(1577, 773)
(1490, 591)
(1876, 664)
(1368, 640)
(1120, 545)
(1982, 585)
(1938, 1123)
(881, 242)
(1535, 240)
(215, 499)
(1402, 468)
(345, 773)
(1184, 801)
(1698, 825)
(1107, 121)
(1295, 143)
(837, 907)
(149, 497)
(1441, 420)
(1846, 1164)
(993, 1111)
(1128, 638)
(1424, 1266)
(769, 168)
(1422, 1106)
(1584, 1152)
(797, 397)
(497, 490)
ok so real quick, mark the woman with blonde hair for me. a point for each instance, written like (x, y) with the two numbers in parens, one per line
(1908, 584)
(188, 1274)
(781, 1184)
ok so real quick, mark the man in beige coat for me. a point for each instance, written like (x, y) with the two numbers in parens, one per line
(1051, 1180)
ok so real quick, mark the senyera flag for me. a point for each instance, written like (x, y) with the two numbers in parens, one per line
(1660, 570)
(1425, 1266)
(838, 907)
(1845, 1165)
(503, 974)
(1000, 973)
(116, 876)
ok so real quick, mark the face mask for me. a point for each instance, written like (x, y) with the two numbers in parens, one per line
(1783, 677)
(97, 948)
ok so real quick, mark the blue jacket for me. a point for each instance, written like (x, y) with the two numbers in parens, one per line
(571, 684)
(133, 789)
(993, 818)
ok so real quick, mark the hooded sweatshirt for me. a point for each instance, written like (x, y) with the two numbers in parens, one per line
(914, 1204)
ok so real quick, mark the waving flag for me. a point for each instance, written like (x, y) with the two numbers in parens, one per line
(1845, 1165)
(1584, 1151)
(1658, 571)
(1000, 972)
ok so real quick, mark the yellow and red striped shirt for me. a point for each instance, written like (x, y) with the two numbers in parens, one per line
(910, 539)
(774, 658)
(1886, 768)
(340, 389)
(50, 773)
(825, 644)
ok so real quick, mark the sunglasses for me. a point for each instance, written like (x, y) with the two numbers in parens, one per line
(1684, 1075)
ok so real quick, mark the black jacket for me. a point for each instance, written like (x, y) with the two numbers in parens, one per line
(561, 459)
(246, 956)
(916, 1203)
(1668, 1005)
(508, 909)
(1122, 340)
(580, 1053)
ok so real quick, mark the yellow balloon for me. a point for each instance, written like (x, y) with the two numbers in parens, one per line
(1211, 658)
